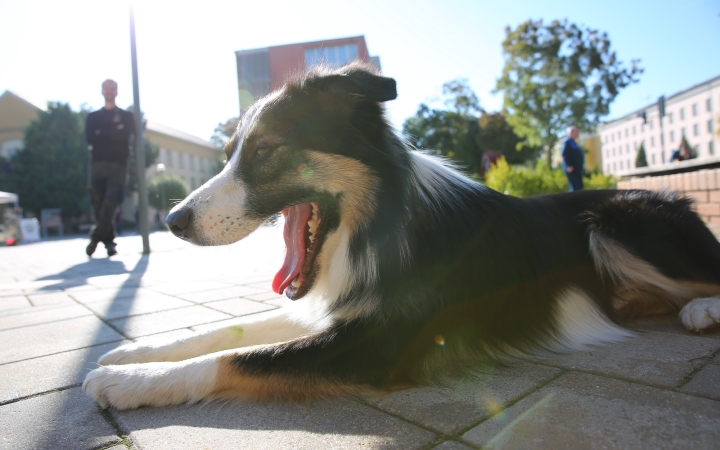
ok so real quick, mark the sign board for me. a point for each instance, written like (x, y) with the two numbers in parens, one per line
(30, 230)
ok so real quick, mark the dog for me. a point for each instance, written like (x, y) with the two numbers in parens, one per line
(410, 269)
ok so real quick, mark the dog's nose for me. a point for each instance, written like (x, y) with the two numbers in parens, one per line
(178, 222)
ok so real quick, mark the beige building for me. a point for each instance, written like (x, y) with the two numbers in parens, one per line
(16, 113)
(693, 113)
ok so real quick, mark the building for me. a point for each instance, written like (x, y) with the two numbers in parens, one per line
(692, 113)
(189, 157)
(16, 113)
(263, 70)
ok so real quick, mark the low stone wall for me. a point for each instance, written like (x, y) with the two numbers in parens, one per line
(703, 186)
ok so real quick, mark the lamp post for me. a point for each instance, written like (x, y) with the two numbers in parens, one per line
(161, 171)
(139, 143)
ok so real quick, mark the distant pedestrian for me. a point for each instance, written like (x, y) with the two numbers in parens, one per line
(573, 160)
(681, 154)
(108, 131)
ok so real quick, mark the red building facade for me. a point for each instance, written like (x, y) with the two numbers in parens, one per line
(263, 70)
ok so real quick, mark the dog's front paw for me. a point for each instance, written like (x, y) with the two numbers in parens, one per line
(112, 386)
(127, 354)
(701, 314)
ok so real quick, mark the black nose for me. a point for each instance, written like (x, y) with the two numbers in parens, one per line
(179, 222)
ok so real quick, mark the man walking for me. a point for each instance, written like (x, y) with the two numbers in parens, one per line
(573, 160)
(108, 132)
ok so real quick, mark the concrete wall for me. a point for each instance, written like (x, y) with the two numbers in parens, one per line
(703, 186)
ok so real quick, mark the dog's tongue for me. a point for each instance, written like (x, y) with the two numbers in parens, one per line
(296, 218)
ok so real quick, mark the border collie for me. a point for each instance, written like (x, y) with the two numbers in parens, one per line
(410, 269)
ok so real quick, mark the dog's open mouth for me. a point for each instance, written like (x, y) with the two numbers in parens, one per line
(304, 234)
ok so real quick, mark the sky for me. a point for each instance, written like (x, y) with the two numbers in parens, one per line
(63, 50)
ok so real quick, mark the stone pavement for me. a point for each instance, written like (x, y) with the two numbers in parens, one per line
(60, 311)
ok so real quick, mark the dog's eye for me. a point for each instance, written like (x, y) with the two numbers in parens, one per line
(261, 151)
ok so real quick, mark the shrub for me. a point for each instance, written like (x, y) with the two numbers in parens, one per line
(175, 190)
(526, 181)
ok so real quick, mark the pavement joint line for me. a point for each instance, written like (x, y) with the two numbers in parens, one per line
(626, 380)
(126, 441)
(708, 360)
(42, 323)
(40, 394)
(63, 351)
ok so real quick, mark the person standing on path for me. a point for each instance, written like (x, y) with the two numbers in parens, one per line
(573, 160)
(108, 131)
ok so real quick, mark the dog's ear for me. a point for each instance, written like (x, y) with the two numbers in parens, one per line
(361, 82)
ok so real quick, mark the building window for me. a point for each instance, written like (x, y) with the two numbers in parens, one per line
(181, 161)
(696, 130)
(192, 180)
(710, 126)
(627, 148)
(621, 165)
(670, 117)
(612, 137)
(652, 157)
(633, 130)
(614, 167)
(331, 56)
(613, 151)
(672, 136)
(191, 161)
(682, 113)
(694, 109)
(169, 158)
(626, 132)
(708, 105)
(652, 141)
(711, 148)
(651, 124)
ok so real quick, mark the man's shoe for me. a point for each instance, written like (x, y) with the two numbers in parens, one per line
(111, 250)
(91, 248)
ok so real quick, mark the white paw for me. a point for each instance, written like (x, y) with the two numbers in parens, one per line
(127, 354)
(116, 386)
(701, 314)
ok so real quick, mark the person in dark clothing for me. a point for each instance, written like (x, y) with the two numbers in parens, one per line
(681, 154)
(573, 160)
(108, 132)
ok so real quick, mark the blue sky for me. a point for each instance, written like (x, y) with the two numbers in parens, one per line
(62, 50)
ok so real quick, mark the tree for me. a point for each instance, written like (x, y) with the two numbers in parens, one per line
(641, 158)
(175, 189)
(224, 131)
(691, 149)
(558, 75)
(51, 171)
(496, 134)
(445, 130)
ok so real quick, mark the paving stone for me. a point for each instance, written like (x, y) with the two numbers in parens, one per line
(37, 375)
(128, 306)
(669, 324)
(264, 296)
(9, 292)
(60, 420)
(660, 359)
(54, 337)
(460, 402)
(239, 306)
(159, 322)
(220, 294)
(706, 382)
(187, 287)
(54, 298)
(114, 293)
(281, 302)
(452, 445)
(586, 411)
(14, 302)
(232, 425)
(42, 315)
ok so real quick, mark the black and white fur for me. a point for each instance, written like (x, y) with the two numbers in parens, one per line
(417, 271)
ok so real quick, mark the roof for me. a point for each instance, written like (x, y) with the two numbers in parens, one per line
(711, 81)
(8, 197)
(9, 93)
(172, 132)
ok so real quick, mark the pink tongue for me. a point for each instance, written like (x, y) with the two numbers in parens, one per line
(296, 218)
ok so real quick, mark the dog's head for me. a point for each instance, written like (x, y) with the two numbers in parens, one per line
(302, 151)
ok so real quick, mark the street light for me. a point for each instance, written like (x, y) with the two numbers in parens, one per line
(161, 171)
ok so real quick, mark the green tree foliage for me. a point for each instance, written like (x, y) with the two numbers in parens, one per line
(557, 75)
(151, 155)
(51, 171)
(522, 181)
(175, 190)
(446, 130)
(641, 158)
(684, 141)
(497, 135)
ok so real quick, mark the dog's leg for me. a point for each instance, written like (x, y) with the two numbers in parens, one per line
(346, 360)
(264, 329)
(701, 314)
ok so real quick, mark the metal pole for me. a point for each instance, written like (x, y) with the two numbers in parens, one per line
(139, 143)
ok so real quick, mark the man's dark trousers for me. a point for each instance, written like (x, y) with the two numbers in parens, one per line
(575, 180)
(107, 188)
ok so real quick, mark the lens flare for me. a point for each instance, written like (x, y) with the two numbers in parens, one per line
(439, 340)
